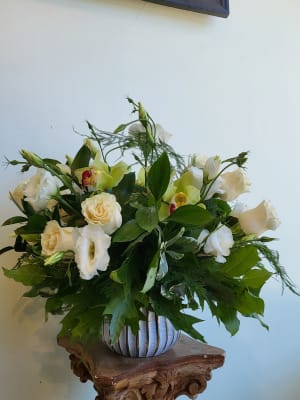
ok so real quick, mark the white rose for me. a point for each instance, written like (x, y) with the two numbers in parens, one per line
(91, 244)
(40, 188)
(103, 210)
(260, 219)
(54, 238)
(237, 209)
(218, 243)
(234, 183)
(212, 167)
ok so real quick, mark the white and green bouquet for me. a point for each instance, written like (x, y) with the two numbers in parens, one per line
(100, 237)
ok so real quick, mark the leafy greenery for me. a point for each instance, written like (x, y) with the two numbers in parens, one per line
(169, 239)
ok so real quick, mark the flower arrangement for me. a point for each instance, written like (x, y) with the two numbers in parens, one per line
(101, 238)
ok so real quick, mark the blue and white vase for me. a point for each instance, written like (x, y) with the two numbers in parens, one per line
(155, 336)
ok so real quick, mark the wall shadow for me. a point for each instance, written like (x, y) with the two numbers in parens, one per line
(137, 6)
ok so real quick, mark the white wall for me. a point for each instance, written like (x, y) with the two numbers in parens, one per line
(220, 86)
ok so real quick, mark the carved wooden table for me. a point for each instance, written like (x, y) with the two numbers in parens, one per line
(184, 370)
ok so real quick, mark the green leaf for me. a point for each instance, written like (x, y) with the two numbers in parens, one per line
(262, 323)
(123, 311)
(174, 254)
(28, 209)
(88, 324)
(228, 316)
(159, 176)
(151, 273)
(187, 244)
(122, 275)
(147, 218)
(255, 278)
(14, 220)
(53, 305)
(124, 189)
(191, 215)
(28, 274)
(240, 261)
(174, 239)
(217, 207)
(180, 321)
(32, 292)
(70, 321)
(51, 161)
(30, 237)
(82, 158)
(120, 128)
(82, 323)
(128, 274)
(273, 257)
(249, 304)
(36, 224)
(128, 232)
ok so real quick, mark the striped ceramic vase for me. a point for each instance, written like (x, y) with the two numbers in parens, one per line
(155, 336)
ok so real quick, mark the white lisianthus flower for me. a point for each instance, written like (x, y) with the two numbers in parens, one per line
(234, 183)
(198, 160)
(161, 133)
(260, 219)
(40, 188)
(103, 210)
(197, 177)
(91, 255)
(55, 238)
(215, 188)
(217, 243)
(212, 167)
(202, 237)
(18, 195)
(135, 128)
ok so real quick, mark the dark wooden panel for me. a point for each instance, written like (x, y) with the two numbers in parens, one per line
(219, 8)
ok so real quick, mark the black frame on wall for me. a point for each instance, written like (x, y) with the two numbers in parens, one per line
(219, 8)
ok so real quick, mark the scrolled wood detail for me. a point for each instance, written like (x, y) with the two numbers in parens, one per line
(196, 387)
(161, 385)
(132, 395)
(79, 368)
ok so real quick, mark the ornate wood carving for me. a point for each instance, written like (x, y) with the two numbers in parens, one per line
(183, 370)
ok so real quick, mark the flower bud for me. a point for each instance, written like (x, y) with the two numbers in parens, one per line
(212, 167)
(91, 146)
(142, 115)
(198, 160)
(32, 158)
